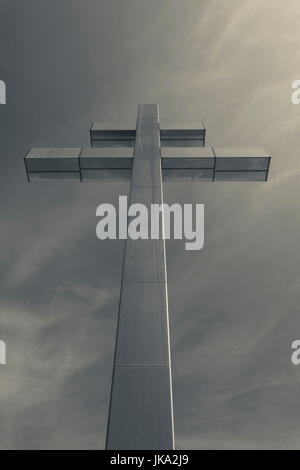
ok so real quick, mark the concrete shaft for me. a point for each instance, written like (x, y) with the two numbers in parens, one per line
(141, 409)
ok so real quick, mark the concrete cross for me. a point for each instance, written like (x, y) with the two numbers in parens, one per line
(141, 408)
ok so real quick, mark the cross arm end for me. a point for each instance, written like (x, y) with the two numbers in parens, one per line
(79, 164)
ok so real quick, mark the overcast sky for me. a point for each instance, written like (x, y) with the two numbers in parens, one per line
(234, 306)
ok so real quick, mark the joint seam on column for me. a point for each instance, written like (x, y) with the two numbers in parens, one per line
(142, 366)
(241, 171)
(79, 164)
(54, 171)
(215, 161)
(25, 163)
(144, 282)
(91, 136)
(267, 174)
(146, 186)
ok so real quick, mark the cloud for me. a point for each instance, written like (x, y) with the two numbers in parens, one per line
(233, 305)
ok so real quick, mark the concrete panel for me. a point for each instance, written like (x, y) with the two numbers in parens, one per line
(187, 157)
(54, 176)
(96, 158)
(146, 173)
(146, 195)
(241, 175)
(112, 143)
(141, 409)
(53, 159)
(240, 158)
(113, 126)
(144, 261)
(195, 129)
(182, 143)
(142, 328)
(147, 111)
(112, 131)
(106, 175)
(174, 134)
(189, 174)
(147, 139)
(190, 157)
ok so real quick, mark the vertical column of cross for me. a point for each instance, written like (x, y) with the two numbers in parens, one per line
(141, 409)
